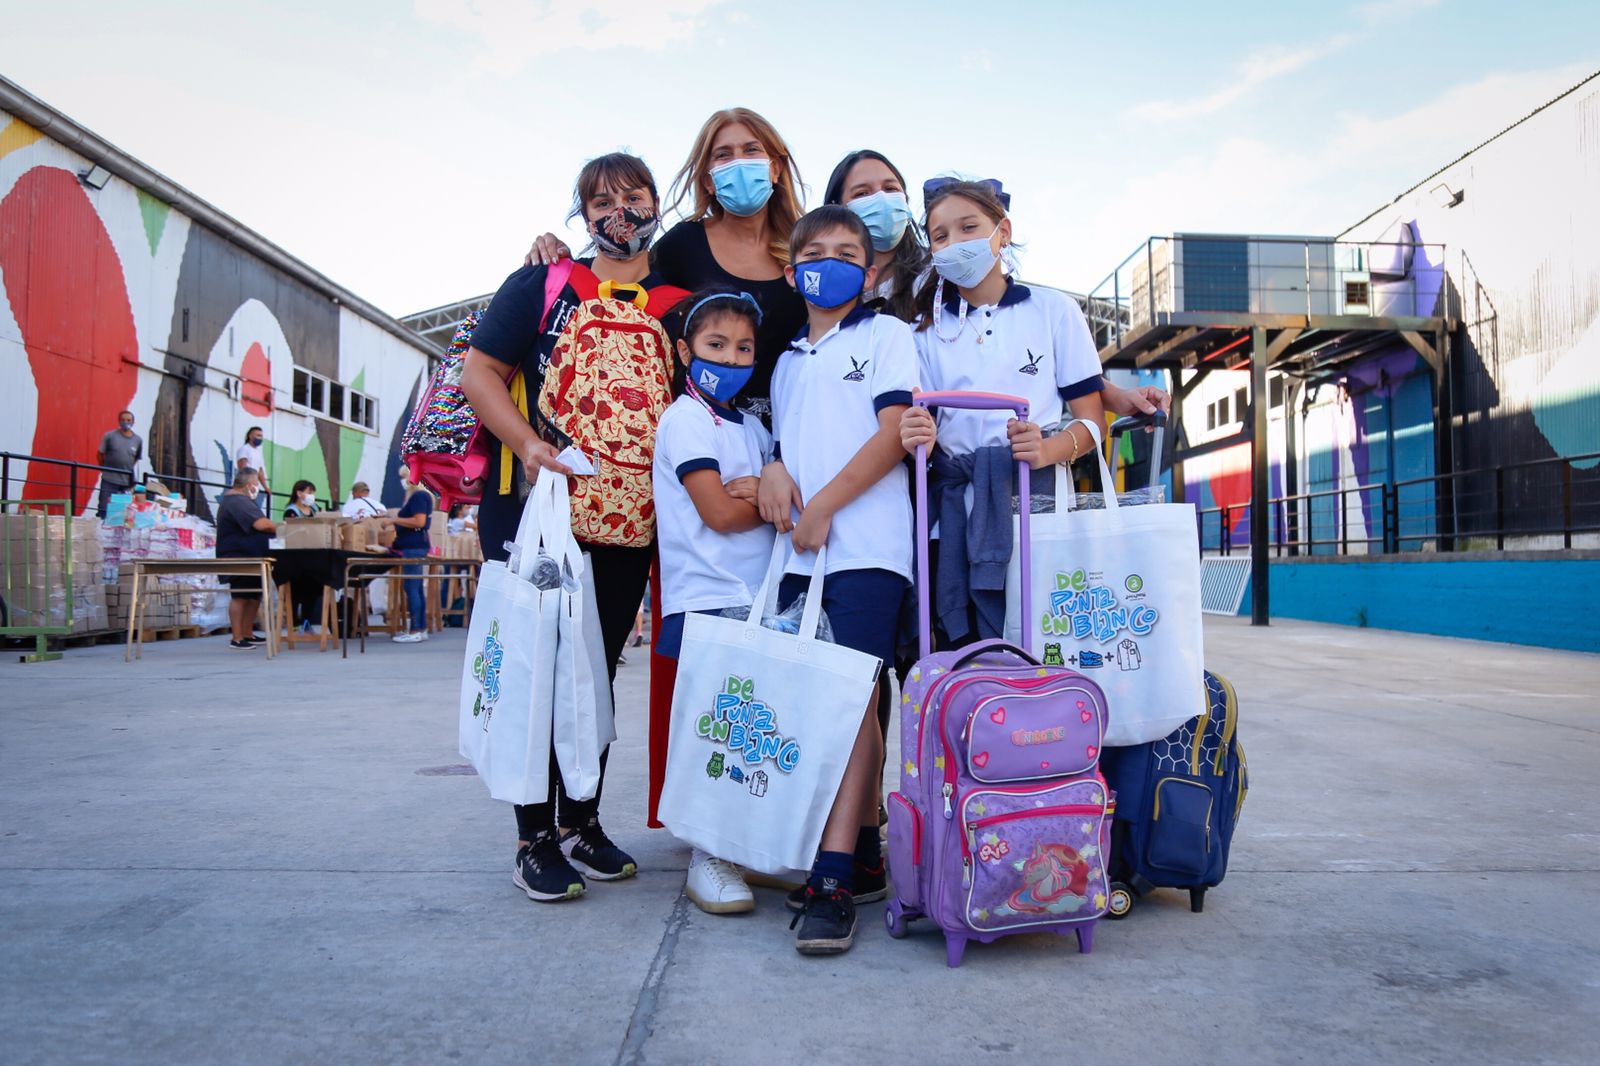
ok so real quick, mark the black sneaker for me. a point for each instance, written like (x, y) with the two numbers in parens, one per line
(255, 641)
(544, 873)
(871, 885)
(594, 853)
(241, 645)
(827, 921)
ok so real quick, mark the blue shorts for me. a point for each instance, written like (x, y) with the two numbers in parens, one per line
(863, 607)
(669, 638)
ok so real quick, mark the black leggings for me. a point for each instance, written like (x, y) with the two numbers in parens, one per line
(620, 575)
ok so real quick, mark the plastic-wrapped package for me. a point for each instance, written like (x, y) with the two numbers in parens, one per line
(1096, 501)
(786, 621)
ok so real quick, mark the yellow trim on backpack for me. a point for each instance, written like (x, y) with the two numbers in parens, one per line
(619, 290)
(519, 396)
(1230, 723)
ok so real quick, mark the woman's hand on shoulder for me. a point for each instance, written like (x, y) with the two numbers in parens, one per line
(547, 249)
(917, 429)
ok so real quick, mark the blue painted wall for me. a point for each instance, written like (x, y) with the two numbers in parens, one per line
(1543, 602)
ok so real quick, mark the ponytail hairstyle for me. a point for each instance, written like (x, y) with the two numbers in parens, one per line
(983, 196)
(693, 181)
(910, 255)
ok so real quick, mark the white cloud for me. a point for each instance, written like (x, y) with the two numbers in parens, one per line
(514, 32)
(1254, 71)
(1383, 12)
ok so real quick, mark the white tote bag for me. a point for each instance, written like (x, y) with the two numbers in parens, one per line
(1116, 596)
(583, 722)
(507, 678)
(763, 724)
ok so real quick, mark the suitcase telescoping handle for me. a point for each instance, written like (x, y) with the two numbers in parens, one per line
(1155, 419)
(966, 401)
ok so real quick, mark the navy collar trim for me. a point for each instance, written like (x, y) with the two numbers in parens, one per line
(1015, 293)
(732, 414)
(859, 313)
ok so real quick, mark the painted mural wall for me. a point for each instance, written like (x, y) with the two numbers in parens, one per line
(109, 299)
(1522, 268)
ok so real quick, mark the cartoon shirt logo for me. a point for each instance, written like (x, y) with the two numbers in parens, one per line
(758, 784)
(860, 371)
(1031, 367)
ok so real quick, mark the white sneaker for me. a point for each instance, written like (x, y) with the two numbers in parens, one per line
(717, 887)
(409, 638)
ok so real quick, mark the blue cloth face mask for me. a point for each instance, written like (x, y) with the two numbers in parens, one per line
(887, 214)
(743, 185)
(719, 381)
(827, 283)
(966, 263)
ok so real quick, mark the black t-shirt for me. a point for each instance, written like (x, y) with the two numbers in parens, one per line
(515, 331)
(418, 503)
(683, 257)
(237, 536)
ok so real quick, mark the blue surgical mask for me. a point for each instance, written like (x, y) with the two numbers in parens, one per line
(743, 185)
(827, 283)
(966, 263)
(718, 381)
(887, 214)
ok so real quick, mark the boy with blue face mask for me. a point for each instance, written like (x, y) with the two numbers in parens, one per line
(837, 397)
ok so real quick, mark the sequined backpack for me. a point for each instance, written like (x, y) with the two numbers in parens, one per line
(444, 445)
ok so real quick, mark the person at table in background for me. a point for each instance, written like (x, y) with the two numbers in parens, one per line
(251, 457)
(302, 501)
(411, 541)
(461, 519)
(242, 533)
(120, 449)
(361, 504)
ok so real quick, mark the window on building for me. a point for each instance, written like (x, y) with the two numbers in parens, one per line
(335, 400)
(301, 395)
(313, 393)
(1239, 404)
(319, 398)
(1275, 392)
(1211, 416)
(1222, 411)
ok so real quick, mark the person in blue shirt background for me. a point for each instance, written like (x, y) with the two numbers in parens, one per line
(411, 541)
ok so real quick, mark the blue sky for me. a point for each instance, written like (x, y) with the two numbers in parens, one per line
(411, 150)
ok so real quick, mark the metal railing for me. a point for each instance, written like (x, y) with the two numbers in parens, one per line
(1267, 275)
(1531, 505)
(68, 479)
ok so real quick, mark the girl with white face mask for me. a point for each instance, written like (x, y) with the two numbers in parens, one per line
(981, 330)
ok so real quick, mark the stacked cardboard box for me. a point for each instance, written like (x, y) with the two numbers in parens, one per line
(40, 561)
(364, 534)
(459, 546)
(321, 531)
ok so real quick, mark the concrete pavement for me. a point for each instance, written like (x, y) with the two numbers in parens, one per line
(208, 857)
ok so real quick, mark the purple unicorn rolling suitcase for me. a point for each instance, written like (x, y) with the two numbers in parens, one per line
(1002, 822)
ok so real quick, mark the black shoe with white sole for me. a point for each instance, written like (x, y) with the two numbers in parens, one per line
(543, 872)
(593, 852)
(827, 921)
(241, 645)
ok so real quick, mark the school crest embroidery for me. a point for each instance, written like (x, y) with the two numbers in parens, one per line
(860, 371)
(1031, 367)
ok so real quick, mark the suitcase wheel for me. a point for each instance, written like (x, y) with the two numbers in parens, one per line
(894, 919)
(1197, 900)
(1120, 903)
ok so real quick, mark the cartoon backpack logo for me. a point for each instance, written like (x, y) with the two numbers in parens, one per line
(860, 371)
(1055, 880)
(486, 668)
(1052, 655)
(714, 766)
(1031, 367)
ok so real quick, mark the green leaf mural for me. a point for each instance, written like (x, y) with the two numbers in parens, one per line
(154, 214)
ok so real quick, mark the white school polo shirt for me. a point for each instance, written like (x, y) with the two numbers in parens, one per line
(701, 569)
(825, 403)
(1035, 344)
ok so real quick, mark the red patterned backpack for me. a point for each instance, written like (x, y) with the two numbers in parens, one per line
(607, 385)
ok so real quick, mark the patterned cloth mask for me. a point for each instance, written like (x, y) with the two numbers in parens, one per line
(623, 233)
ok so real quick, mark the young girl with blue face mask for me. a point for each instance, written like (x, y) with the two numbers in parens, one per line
(714, 544)
(867, 183)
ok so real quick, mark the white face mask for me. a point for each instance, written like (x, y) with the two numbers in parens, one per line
(966, 263)
(307, 499)
(255, 490)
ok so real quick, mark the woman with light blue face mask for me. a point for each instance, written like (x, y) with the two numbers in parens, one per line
(871, 186)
